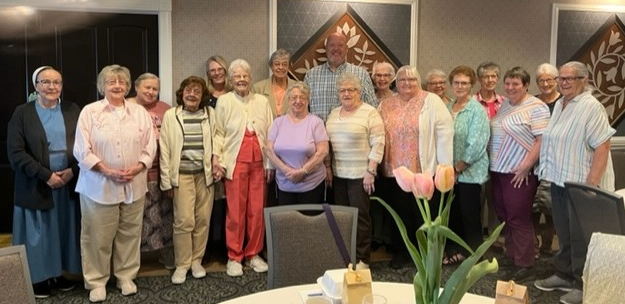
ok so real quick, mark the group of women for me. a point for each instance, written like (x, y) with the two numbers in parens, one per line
(148, 172)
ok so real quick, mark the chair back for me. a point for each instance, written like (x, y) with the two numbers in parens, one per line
(301, 247)
(603, 268)
(596, 209)
(15, 276)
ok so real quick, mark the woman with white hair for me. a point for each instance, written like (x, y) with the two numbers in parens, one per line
(243, 120)
(382, 75)
(115, 145)
(418, 142)
(576, 148)
(436, 82)
(356, 134)
(546, 80)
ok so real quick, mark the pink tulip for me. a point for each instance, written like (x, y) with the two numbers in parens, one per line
(404, 178)
(423, 186)
(445, 178)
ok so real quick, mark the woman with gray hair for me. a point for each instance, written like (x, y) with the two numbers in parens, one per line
(546, 80)
(436, 82)
(242, 123)
(356, 133)
(297, 145)
(382, 75)
(419, 136)
(115, 145)
(274, 88)
(575, 148)
(158, 215)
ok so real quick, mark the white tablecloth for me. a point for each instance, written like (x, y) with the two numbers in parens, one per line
(395, 293)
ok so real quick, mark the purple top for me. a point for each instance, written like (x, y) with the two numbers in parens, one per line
(294, 144)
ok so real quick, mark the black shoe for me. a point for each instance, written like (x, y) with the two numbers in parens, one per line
(400, 260)
(521, 274)
(42, 290)
(62, 284)
(506, 262)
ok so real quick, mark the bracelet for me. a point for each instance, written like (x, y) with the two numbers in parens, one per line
(305, 171)
(372, 172)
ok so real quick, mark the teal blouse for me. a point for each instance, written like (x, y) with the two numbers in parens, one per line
(471, 135)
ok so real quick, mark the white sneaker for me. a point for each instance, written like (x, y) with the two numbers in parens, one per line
(179, 276)
(97, 294)
(258, 264)
(198, 270)
(127, 287)
(234, 268)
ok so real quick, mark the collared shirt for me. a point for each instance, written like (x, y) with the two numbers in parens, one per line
(471, 135)
(233, 115)
(324, 95)
(514, 131)
(493, 107)
(119, 138)
(569, 143)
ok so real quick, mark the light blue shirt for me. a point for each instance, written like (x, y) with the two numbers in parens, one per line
(471, 135)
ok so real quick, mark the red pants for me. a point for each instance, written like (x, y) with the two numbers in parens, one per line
(245, 196)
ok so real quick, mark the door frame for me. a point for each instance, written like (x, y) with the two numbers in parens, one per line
(162, 8)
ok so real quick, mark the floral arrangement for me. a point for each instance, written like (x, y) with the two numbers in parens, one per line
(428, 253)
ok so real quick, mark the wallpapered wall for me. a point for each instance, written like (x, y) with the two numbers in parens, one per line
(450, 33)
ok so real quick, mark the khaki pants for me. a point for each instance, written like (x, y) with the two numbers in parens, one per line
(193, 204)
(110, 231)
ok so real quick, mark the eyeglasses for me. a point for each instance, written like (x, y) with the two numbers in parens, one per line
(407, 80)
(194, 91)
(461, 83)
(546, 81)
(238, 76)
(48, 82)
(569, 79)
(348, 90)
(116, 81)
(298, 97)
(382, 75)
(437, 84)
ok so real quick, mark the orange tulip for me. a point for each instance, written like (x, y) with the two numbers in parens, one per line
(423, 186)
(445, 178)
(404, 178)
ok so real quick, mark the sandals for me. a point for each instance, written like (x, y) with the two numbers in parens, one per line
(454, 259)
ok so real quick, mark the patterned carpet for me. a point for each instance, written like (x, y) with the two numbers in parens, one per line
(217, 286)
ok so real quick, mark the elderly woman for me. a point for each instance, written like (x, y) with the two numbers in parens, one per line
(274, 88)
(356, 133)
(115, 145)
(516, 133)
(471, 135)
(546, 75)
(186, 174)
(576, 147)
(158, 214)
(296, 146)
(40, 138)
(436, 82)
(382, 75)
(419, 142)
(242, 123)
